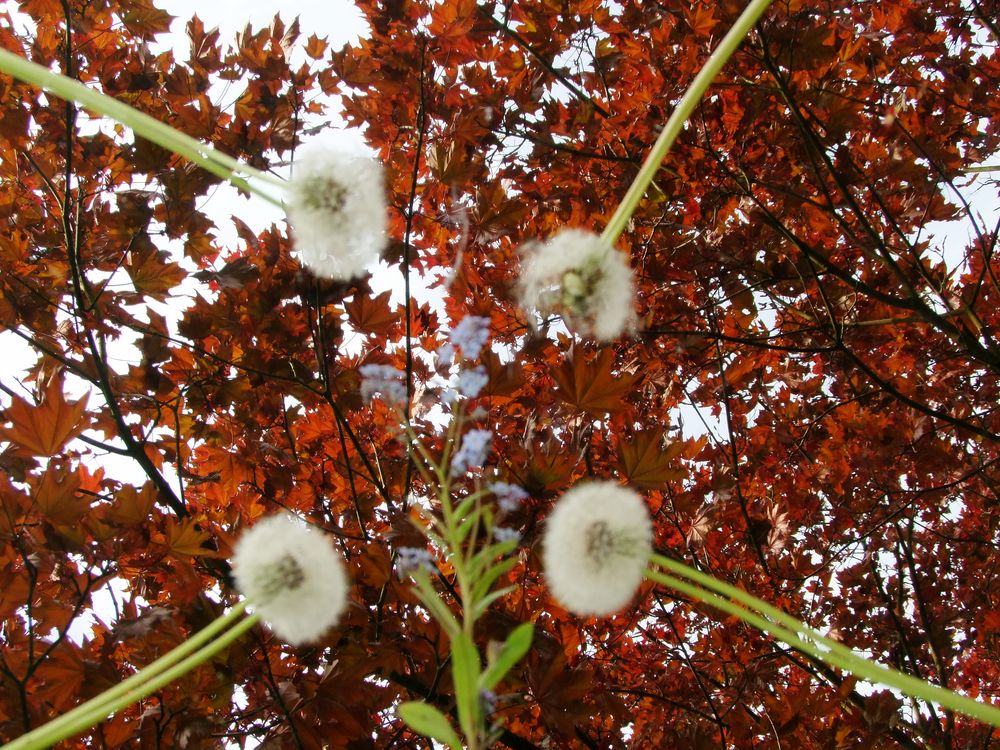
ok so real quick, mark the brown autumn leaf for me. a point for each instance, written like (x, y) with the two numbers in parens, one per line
(504, 378)
(151, 270)
(56, 496)
(645, 463)
(44, 429)
(131, 506)
(315, 47)
(591, 386)
(144, 18)
(372, 315)
(141, 627)
(235, 274)
(186, 539)
(61, 677)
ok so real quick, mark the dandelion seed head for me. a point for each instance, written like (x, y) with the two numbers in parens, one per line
(596, 545)
(578, 275)
(337, 210)
(293, 577)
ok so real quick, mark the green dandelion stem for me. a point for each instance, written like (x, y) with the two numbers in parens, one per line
(809, 641)
(163, 671)
(221, 165)
(730, 43)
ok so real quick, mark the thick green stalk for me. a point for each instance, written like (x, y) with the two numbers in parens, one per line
(810, 641)
(221, 165)
(730, 43)
(167, 668)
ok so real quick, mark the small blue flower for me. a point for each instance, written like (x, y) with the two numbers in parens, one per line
(409, 559)
(509, 496)
(488, 701)
(473, 451)
(503, 534)
(470, 335)
(471, 382)
(383, 379)
(446, 356)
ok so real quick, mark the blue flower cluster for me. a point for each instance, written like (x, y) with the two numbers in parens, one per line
(509, 496)
(409, 559)
(470, 336)
(503, 534)
(471, 382)
(473, 451)
(383, 379)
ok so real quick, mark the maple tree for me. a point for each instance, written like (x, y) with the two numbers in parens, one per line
(790, 294)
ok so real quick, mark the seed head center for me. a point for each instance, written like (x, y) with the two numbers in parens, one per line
(284, 575)
(326, 195)
(579, 285)
(600, 542)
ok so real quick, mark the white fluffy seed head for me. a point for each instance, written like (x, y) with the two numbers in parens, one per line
(577, 274)
(293, 577)
(337, 210)
(597, 542)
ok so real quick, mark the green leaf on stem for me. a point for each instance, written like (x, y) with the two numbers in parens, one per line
(512, 651)
(485, 559)
(467, 524)
(482, 605)
(430, 599)
(424, 719)
(485, 581)
(465, 667)
(463, 508)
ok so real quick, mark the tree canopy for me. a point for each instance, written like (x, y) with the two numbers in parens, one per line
(808, 402)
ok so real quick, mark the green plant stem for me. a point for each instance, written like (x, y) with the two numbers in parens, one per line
(445, 533)
(164, 670)
(797, 634)
(460, 563)
(221, 165)
(729, 44)
(984, 168)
